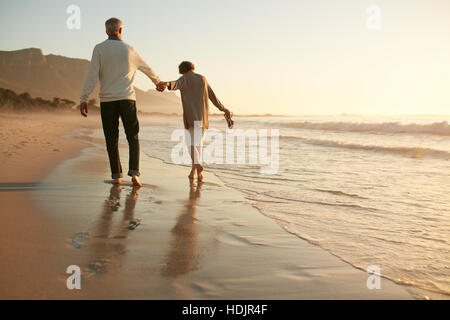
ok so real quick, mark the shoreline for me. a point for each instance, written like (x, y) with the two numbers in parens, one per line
(203, 252)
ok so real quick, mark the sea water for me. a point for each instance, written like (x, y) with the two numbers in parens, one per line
(374, 191)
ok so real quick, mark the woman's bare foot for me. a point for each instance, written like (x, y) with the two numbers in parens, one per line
(136, 181)
(199, 173)
(192, 173)
(117, 181)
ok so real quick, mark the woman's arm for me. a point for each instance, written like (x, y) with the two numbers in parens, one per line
(175, 85)
(215, 101)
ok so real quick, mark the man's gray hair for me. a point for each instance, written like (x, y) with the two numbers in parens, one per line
(113, 25)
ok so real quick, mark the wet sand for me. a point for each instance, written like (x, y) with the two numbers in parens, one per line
(166, 240)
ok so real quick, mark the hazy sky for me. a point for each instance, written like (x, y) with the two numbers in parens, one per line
(279, 57)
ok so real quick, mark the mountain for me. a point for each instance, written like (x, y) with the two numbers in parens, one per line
(48, 76)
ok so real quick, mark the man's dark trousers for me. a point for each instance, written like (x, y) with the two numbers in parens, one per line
(111, 111)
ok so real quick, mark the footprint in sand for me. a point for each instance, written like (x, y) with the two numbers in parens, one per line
(79, 239)
(113, 204)
(151, 199)
(133, 224)
(95, 267)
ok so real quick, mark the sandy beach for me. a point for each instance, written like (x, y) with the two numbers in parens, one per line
(321, 132)
(166, 240)
(32, 145)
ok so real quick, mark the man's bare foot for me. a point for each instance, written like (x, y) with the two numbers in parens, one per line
(117, 181)
(191, 175)
(199, 173)
(136, 181)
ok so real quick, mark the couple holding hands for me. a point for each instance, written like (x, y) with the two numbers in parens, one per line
(114, 63)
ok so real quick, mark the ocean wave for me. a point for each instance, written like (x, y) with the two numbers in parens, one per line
(321, 203)
(424, 283)
(412, 152)
(340, 193)
(436, 128)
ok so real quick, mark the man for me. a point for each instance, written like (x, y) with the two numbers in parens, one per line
(115, 62)
(195, 93)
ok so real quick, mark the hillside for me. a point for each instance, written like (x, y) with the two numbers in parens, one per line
(49, 76)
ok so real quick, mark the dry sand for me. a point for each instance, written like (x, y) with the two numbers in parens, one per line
(167, 240)
(31, 146)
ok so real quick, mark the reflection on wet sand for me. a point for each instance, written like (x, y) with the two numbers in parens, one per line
(182, 257)
(108, 244)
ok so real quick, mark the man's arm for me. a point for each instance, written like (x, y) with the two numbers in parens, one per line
(90, 82)
(92, 76)
(146, 69)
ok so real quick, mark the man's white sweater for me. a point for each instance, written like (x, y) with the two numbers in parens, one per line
(115, 62)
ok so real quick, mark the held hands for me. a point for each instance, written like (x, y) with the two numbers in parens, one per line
(84, 109)
(161, 86)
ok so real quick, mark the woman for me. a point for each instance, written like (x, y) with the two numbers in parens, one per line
(195, 93)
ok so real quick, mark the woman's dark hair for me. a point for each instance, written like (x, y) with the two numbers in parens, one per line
(185, 66)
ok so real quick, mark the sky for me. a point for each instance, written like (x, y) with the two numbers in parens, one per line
(294, 57)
